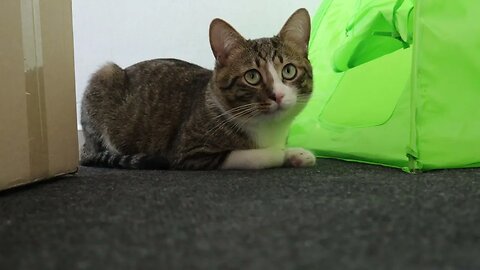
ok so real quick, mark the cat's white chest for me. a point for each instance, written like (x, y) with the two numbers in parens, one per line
(269, 135)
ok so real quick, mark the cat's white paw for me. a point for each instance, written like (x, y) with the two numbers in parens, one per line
(299, 157)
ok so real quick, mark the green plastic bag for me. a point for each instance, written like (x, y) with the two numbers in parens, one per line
(396, 83)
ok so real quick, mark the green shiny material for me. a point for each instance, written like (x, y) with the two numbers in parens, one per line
(396, 83)
(379, 27)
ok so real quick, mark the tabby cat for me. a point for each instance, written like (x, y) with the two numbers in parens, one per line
(171, 114)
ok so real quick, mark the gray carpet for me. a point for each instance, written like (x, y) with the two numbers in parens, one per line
(337, 215)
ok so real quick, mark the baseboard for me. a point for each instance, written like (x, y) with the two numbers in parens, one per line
(81, 140)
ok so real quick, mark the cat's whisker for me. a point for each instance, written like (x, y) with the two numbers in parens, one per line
(303, 101)
(238, 126)
(238, 114)
(229, 119)
(233, 110)
(242, 124)
(306, 100)
(217, 128)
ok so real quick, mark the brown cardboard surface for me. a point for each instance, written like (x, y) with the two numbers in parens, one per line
(38, 137)
(14, 153)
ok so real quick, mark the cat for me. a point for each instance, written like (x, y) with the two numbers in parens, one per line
(171, 114)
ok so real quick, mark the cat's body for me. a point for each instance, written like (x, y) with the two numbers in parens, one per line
(181, 128)
(167, 113)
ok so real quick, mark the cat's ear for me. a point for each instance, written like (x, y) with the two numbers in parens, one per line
(223, 39)
(296, 30)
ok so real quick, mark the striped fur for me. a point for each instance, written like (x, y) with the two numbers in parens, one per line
(137, 161)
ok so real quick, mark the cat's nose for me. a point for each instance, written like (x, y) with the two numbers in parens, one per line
(278, 97)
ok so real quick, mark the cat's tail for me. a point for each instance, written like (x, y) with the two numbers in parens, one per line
(107, 87)
(112, 160)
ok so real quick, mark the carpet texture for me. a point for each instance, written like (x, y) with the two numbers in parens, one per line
(336, 215)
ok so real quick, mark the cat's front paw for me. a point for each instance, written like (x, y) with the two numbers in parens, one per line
(299, 157)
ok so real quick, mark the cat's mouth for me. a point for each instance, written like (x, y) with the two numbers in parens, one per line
(279, 107)
(275, 109)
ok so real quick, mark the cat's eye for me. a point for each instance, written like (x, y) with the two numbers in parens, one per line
(253, 77)
(289, 72)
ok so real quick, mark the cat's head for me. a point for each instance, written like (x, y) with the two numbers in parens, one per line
(267, 78)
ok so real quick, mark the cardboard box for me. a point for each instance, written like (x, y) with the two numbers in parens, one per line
(38, 137)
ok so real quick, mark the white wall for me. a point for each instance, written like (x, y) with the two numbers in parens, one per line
(128, 31)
